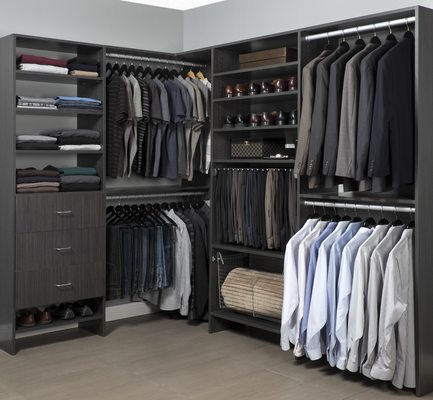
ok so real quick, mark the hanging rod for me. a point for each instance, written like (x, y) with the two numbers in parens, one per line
(363, 28)
(251, 169)
(369, 207)
(153, 59)
(153, 195)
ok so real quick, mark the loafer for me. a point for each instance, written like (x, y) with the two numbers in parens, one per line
(292, 83)
(82, 310)
(43, 317)
(266, 87)
(241, 89)
(229, 91)
(255, 120)
(229, 122)
(293, 117)
(26, 319)
(280, 85)
(282, 118)
(253, 88)
(241, 121)
(64, 312)
(268, 118)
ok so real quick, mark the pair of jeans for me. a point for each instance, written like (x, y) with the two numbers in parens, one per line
(114, 264)
(127, 243)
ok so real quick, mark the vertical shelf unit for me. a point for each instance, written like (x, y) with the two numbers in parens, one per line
(38, 227)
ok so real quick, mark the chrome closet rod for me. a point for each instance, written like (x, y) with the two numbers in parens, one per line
(363, 28)
(153, 195)
(153, 59)
(373, 207)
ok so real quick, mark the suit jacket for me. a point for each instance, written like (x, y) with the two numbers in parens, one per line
(319, 113)
(368, 68)
(308, 84)
(393, 133)
(346, 155)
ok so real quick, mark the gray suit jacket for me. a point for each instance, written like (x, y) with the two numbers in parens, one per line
(319, 114)
(308, 83)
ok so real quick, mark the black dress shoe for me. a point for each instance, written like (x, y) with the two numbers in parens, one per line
(282, 118)
(253, 88)
(266, 87)
(292, 83)
(229, 122)
(82, 310)
(241, 121)
(293, 120)
(255, 120)
(64, 312)
(268, 118)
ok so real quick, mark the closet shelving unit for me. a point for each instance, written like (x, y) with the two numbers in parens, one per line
(227, 71)
(419, 196)
(35, 269)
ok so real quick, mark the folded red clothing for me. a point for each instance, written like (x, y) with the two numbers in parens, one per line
(29, 59)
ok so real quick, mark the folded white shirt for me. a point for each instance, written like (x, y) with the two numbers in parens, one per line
(75, 147)
(43, 68)
(36, 138)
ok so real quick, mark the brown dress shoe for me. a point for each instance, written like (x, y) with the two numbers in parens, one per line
(292, 83)
(268, 118)
(26, 319)
(229, 91)
(241, 89)
(255, 120)
(280, 85)
(44, 317)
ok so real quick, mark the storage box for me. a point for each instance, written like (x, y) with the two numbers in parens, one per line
(256, 148)
(267, 57)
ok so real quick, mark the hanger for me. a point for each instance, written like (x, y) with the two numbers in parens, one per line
(408, 33)
(369, 222)
(336, 217)
(343, 42)
(173, 206)
(314, 215)
(148, 71)
(140, 71)
(359, 41)
(390, 35)
(383, 220)
(166, 73)
(200, 75)
(325, 216)
(397, 221)
(411, 223)
(108, 70)
(116, 69)
(131, 70)
(375, 38)
(191, 74)
(356, 218)
(174, 73)
(124, 69)
(328, 44)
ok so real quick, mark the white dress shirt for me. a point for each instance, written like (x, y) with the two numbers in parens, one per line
(374, 294)
(344, 291)
(319, 299)
(303, 261)
(396, 353)
(290, 295)
(355, 328)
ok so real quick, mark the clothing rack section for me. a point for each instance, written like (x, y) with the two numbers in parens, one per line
(158, 251)
(361, 29)
(367, 207)
(254, 207)
(154, 60)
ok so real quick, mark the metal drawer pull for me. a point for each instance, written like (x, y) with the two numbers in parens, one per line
(68, 212)
(60, 285)
(62, 249)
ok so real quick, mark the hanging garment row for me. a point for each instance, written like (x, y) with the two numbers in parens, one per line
(159, 254)
(158, 122)
(357, 122)
(255, 207)
(348, 294)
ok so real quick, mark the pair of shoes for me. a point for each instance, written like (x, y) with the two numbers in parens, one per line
(260, 119)
(284, 85)
(240, 89)
(30, 318)
(253, 88)
(69, 311)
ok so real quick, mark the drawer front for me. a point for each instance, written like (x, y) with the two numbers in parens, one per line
(44, 250)
(59, 285)
(59, 211)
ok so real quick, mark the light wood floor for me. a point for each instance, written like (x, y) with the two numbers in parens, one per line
(156, 358)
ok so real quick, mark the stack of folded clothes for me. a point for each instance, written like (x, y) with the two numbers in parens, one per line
(44, 103)
(76, 139)
(83, 66)
(42, 64)
(36, 142)
(32, 180)
(78, 103)
(74, 179)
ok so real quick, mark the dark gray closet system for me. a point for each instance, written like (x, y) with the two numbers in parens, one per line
(310, 198)
(53, 244)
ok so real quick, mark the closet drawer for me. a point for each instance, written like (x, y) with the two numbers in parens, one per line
(59, 211)
(44, 250)
(59, 285)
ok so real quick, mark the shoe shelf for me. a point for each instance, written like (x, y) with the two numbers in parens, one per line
(259, 98)
(260, 72)
(256, 161)
(58, 323)
(256, 128)
(249, 250)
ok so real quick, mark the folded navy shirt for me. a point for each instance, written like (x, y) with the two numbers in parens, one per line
(83, 67)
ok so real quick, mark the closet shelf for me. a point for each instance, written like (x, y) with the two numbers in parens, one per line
(259, 98)
(273, 161)
(360, 197)
(57, 113)
(249, 250)
(256, 129)
(55, 152)
(58, 322)
(54, 78)
(266, 71)
(138, 190)
(248, 320)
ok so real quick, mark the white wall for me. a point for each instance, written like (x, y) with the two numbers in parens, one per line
(111, 22)
(234, 20)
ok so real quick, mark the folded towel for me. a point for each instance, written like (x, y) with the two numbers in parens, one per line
(77, 99)
(42, 100)
(43, 68)
(78, 72)
(81, 147)
(77, 140)
(37, 179)
(72, 133)
(83, 67)
(38, 172)
(93, 179)
(36, 138)
(42, 189)
(29, 59)
(37, 146)
(79, 187)
(37, 184)
(77, 171)
(83, 60)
